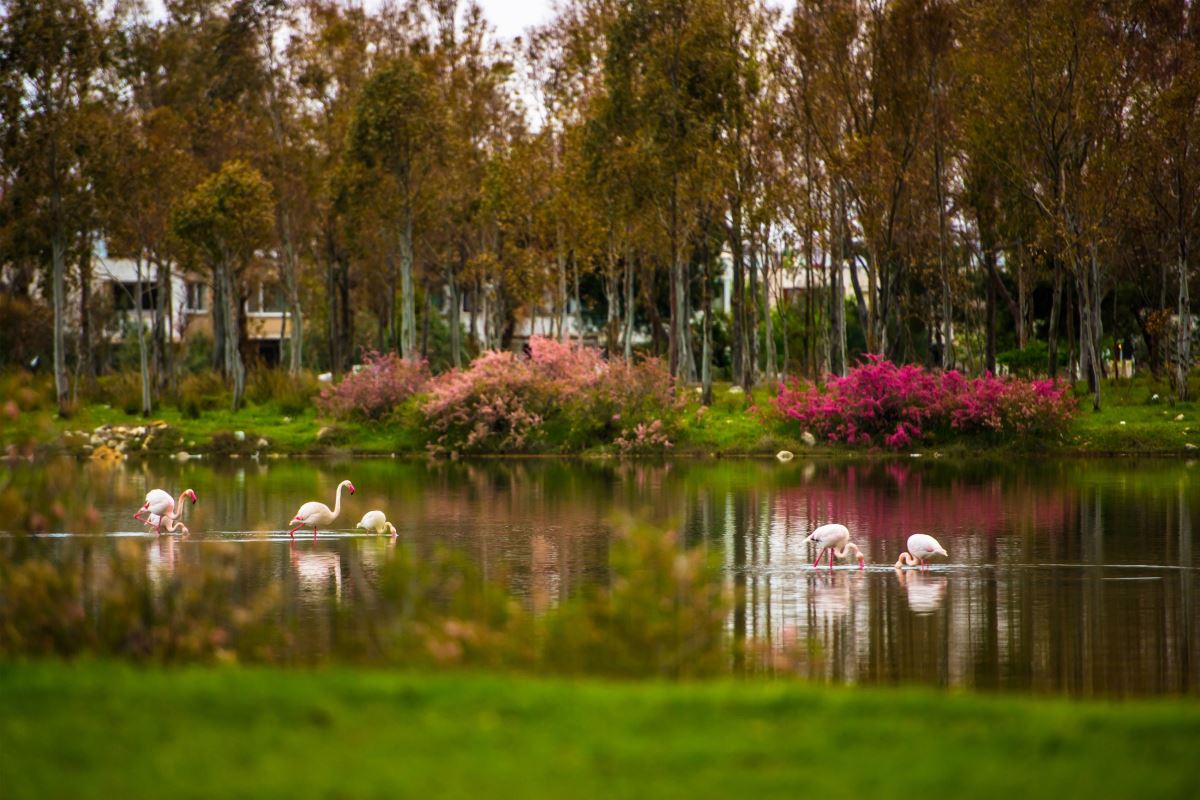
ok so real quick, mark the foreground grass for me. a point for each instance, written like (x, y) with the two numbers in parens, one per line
(102, 730)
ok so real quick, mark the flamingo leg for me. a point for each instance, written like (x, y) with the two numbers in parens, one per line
(820, 553)
(831, 558)
(314, 533)
(292, 532)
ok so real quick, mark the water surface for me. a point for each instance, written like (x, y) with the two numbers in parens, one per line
(1064, 576)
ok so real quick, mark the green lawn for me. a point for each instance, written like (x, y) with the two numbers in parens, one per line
(102, 730)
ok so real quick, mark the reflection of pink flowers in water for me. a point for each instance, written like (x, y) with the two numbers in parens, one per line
(906, 501)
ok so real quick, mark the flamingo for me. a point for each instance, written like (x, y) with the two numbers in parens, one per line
(836, 539)
(154, 521)
(376, 522)
(921, 546)
(314, 513)
(160, 504)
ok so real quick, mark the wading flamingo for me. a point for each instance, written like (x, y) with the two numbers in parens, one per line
(836, 539)
(319, 514)
(160, 504)
(921, 546)
(154, 521)
(376, 522)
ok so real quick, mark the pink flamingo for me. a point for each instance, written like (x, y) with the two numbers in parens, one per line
(836, 539)
(921, 546)
(314, 513)
(162, 505)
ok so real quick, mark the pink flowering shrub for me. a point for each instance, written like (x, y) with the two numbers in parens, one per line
(643, 438)
(384, 382)
(879, 402)
(504, 402)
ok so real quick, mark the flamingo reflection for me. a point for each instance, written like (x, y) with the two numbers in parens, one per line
(314, 571)
(925, 593)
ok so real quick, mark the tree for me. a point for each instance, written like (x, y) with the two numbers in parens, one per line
(226, 220)
(396, 127)
(50, 51)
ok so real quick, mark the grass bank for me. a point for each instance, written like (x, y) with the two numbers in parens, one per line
(104, 730)
(1132, 421)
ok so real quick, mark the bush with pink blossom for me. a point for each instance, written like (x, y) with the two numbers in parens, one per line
(561, 393)
(881, 403)
(372, 392)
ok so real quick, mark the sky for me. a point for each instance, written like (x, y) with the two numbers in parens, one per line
(512, 17)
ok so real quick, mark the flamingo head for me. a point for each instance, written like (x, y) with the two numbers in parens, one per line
(862, 562)
(392, 528)
(350, 487)
(191, 495)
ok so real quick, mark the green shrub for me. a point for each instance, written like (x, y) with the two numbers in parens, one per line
(121, 390)
(199, 392)
(291, 394)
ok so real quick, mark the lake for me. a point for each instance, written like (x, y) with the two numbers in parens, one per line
(1075, 577)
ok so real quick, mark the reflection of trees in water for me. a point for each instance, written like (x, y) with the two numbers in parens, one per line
(1002, 616)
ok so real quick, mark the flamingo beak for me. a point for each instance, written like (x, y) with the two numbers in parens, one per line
(193, 498)
(861, 562)
(351, 488)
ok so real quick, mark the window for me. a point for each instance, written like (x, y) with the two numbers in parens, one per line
(197, 297)
(124, 293)
(266, 298)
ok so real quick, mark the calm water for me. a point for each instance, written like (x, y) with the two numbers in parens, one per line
(1071, 576)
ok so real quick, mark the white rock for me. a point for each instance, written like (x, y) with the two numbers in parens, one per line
(239, 436)
(1179, 417)
(914, 455)
(808, 439)
(1122, 422)
(325, 377)
(785, 455)
(1190, 446)
(262, 444)
(182, 456)
(736, 390)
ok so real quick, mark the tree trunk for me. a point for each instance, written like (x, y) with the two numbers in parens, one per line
(629, 307)
(58, 265)
(837, 295)
(235, 369)
(87, 364)
(768, 323)
(706, 375)
(143, 360)
(989, 357)
(737, 301)
(408, 301)
(1052, 329)
(1183, 347)
(454, 317)
(750, 365)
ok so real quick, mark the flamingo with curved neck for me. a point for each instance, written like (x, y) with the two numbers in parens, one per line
(317, 514)
(162, 505)
(836, 539)
(921, 546)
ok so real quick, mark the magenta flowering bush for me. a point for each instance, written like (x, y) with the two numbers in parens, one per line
(384, 382)
(881, 403)
(504, 402)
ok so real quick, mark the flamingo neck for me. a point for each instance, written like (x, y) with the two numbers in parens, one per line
(177, 511)
(337, 501)
(906, 558)
(846, 548)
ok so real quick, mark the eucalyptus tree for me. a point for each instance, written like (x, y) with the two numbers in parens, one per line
(50, 54)
(226, 220)
(398, 126)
